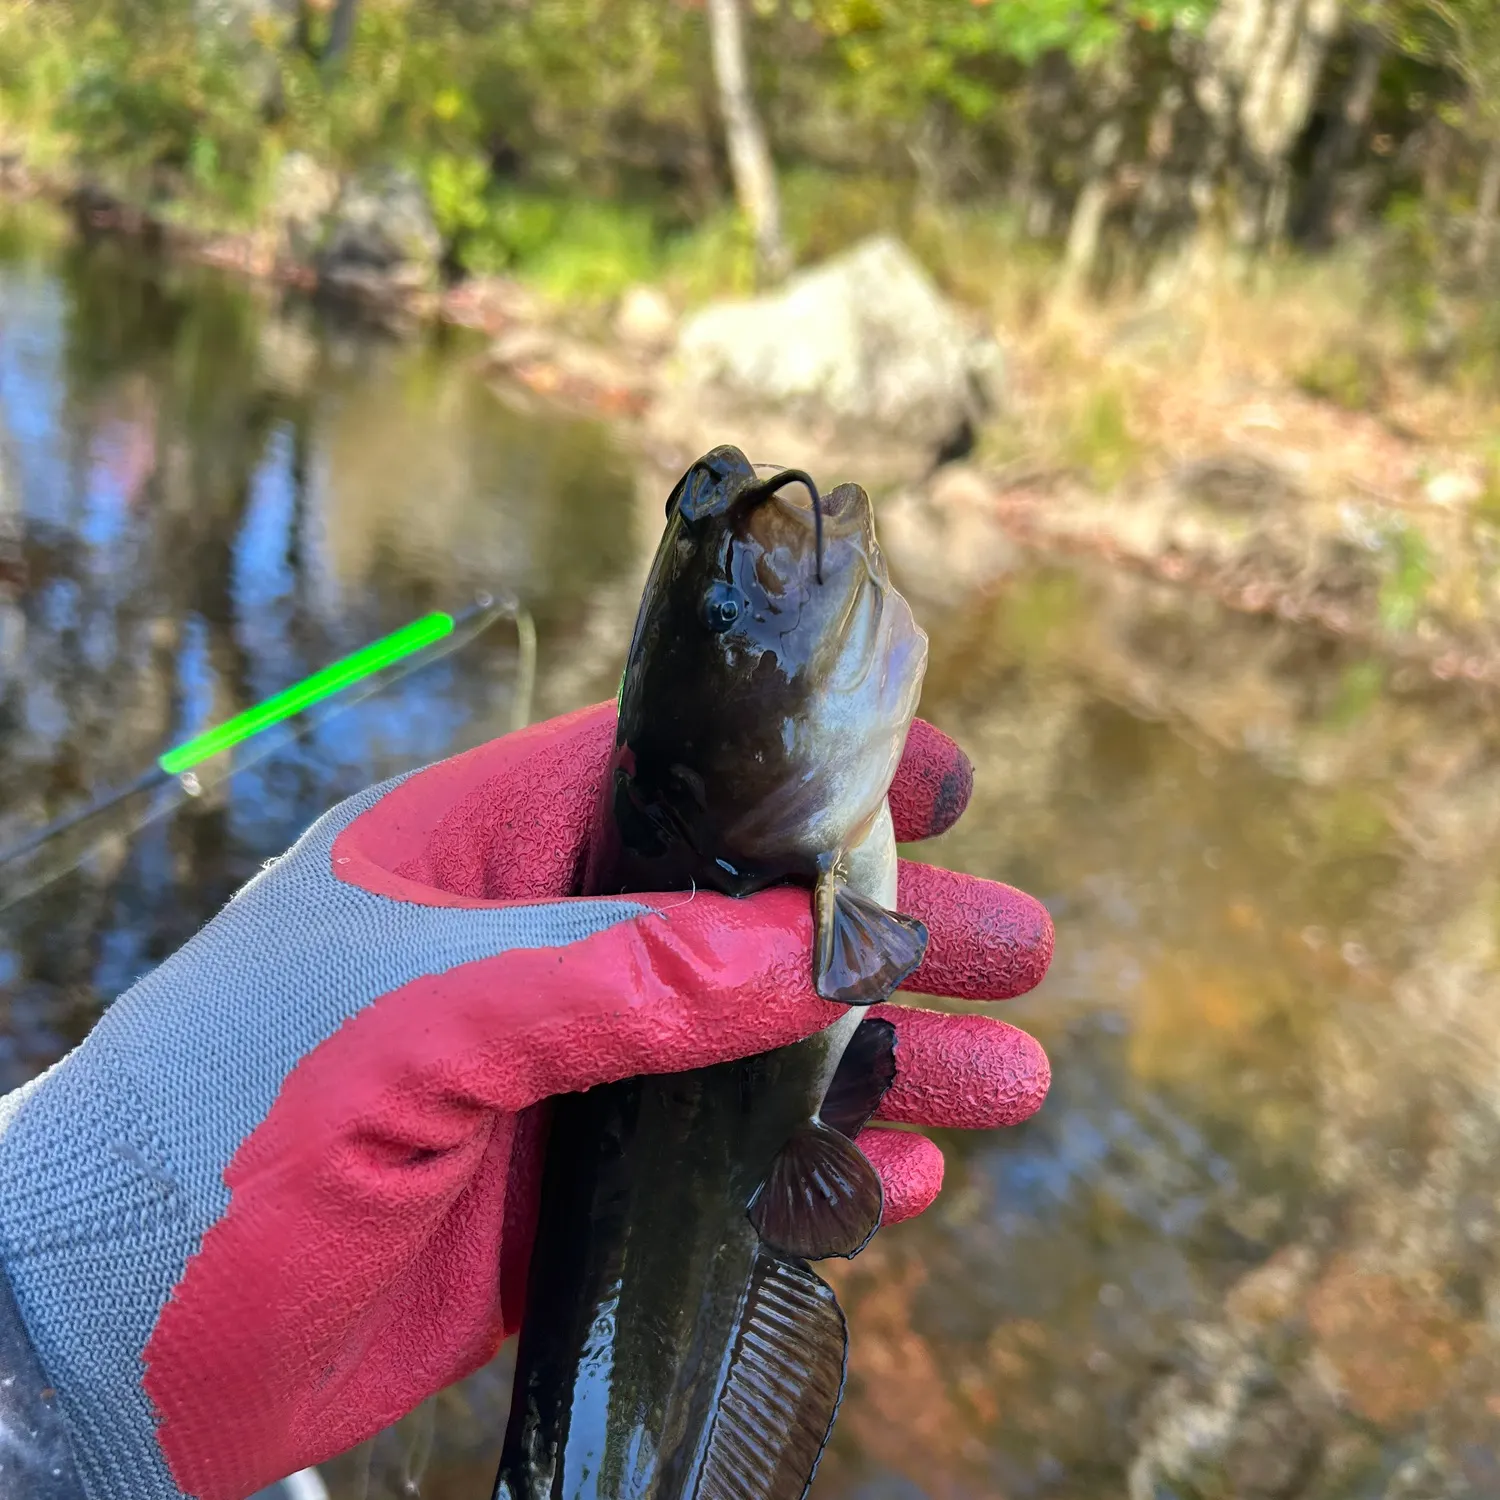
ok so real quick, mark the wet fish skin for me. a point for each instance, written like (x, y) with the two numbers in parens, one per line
(672, 1349)
(614, 1389)
(744, 755)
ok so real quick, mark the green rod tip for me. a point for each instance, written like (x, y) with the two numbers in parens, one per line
(324, 684)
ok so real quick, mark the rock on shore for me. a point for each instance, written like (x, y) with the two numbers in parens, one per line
(861, 355)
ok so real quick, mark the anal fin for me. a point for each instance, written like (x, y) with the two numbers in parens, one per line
(865, 1071)
(821, 1197)
(863, 951)
(782, 1389)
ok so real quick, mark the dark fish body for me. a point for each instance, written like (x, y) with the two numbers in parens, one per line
(676, 1345)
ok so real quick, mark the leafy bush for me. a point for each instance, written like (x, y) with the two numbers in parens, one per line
(1350, 377)
(1407, 578)
(36, 68)
(592, 252)
(1100, 439)
(166, 106)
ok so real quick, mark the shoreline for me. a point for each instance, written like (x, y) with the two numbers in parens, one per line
(492, 306)
(1033, 520)
(614, 381)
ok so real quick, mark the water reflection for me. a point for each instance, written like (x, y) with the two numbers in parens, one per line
(208, 497)
(1249, 1247)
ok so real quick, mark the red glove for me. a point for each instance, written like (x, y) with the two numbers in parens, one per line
(334, 1090)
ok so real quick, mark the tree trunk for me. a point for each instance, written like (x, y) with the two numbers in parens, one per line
(1279, 98)
(340, 32)
(1486, 208)
(749, 156)
(302, 35)
(1152, 204)
(1087, 224)
(1343, 135)
(1110, 96)
(1260, 77)
(1437, 152)
(1033, 190)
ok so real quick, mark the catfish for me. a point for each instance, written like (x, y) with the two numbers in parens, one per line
(676, 1344)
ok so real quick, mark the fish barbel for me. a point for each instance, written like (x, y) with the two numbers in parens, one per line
(676, 1344)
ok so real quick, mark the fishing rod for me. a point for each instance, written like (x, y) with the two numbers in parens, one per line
(420, 644)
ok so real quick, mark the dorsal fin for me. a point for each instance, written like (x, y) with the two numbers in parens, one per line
(821, 1197)
(865, 1071)
(782, 1390)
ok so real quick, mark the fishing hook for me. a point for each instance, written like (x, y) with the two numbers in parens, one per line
(802, 477)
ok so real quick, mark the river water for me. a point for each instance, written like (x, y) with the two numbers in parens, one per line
(1247, 1249)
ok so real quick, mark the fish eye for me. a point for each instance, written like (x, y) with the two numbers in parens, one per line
(721, 606)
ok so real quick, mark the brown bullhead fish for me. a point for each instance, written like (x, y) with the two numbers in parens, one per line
(676, 1345)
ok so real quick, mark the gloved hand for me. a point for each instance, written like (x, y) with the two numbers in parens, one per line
(286, 1189)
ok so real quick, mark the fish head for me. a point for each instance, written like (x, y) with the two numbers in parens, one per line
(771, 679)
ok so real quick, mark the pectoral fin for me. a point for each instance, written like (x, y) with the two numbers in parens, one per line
(821, 1197)
(865, 1071)
(862, 951)
(782, 1391)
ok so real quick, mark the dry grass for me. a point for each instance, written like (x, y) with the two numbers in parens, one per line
(1295, 361)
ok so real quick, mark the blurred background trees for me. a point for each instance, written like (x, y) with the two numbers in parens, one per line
(597, 141)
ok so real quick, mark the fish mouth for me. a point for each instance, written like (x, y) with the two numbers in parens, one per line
(776, 480)
(844, 510)
(724, 480)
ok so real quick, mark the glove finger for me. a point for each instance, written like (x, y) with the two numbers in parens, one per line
(962, 1072)
(910, 1167)
(987, 941)
(931, 786)
(690, 981)
(506, 821)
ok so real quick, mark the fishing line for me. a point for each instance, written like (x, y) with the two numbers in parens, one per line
(421, 1431)
(364, 1457)
(662, 911)
(406, 651)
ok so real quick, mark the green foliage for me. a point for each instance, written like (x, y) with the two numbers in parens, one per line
(1039, 609)
(533, 123)
(154, 101)
(1460, 35)
(1409, 267)
(825, 212)
(1350, 376)
(1407, 578)
(1359, 689)
(1100, 439)
(906, 54)
(716, 259)
(573, 249)
(457, 189)
(36, 67)
(593, 251)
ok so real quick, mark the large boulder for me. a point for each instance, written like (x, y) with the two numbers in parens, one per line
(859, 354)
(382, 225)
(303, 196)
